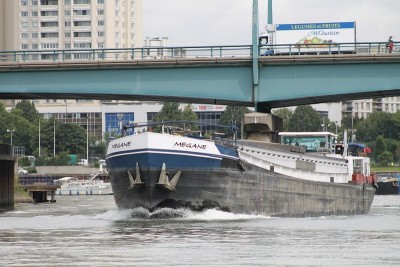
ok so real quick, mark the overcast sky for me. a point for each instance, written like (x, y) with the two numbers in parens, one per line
(228, 22)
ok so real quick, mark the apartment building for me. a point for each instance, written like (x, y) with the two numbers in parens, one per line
(70, 24)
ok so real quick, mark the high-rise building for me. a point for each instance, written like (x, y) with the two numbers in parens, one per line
(70, 24)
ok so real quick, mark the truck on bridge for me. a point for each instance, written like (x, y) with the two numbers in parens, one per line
(309, 38)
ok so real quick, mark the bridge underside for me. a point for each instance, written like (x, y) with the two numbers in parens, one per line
(284, 81)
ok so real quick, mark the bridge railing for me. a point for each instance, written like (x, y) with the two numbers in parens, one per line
(328, 49)
(159, 53)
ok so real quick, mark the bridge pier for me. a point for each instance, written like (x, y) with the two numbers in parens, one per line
(39, 191)
(7, 172)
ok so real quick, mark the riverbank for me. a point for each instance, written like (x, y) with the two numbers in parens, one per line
(20, 195)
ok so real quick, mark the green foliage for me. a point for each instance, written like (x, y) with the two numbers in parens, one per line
(24, 162)
(27, 111)
(379, 147)
(385, 158)
(189, 115)
(233, 115)
(377, 123)
(70, 138)
(171, 112)
(61, 159)
(305, 119)
(285, 114)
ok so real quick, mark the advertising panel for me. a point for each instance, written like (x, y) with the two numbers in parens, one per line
(316, 36)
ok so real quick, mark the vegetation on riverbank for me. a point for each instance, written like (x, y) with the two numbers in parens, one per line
(20, 194)
(395, 169)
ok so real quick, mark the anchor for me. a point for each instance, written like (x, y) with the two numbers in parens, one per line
(164, 181)
(137, 180)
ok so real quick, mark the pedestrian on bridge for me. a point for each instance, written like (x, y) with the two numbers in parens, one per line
(390, 45)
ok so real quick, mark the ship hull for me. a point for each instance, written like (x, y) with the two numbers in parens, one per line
(156, 170)
(387, 188)
(250, 191)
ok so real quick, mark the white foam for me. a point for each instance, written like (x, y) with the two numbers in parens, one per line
(180, 214)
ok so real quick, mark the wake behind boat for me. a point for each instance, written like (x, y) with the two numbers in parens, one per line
(253, 176)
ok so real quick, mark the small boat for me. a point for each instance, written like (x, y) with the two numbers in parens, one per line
(388, 186)
(259, 175)
(74, 186)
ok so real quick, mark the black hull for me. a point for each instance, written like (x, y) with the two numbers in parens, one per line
(387, 188)
(253, 191)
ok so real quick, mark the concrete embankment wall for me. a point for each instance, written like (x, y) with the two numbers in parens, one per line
(7, 172)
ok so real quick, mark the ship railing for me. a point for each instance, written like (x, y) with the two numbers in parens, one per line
(179, 126)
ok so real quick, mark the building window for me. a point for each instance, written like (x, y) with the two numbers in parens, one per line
(24, 13)
(368, 106)
(112, 122)
(82, 34)
(34, 2)
(82, 2)
(100, 34)
(100, 12)
(48, 13)
(81, 12)
(34, 13)
(49, 46)
(24, 2)
(24, 24)
(68, 24)
(67, 13)
(24, 46)
(100, 1)
(50, 24)
(35, 46)
(82, 45)
(100, 23)
(49, 35)
(100, 45)
(35, 35)
(67, 34)
(24, 35)
(82, 23)
(34, 24)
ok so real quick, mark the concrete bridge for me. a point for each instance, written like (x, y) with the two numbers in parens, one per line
(214, 75)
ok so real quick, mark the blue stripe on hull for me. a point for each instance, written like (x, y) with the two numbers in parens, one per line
(155, 160)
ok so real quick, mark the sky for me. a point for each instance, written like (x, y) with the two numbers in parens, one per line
(229, 22)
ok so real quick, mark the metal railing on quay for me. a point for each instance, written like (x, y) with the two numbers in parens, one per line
(193, 52)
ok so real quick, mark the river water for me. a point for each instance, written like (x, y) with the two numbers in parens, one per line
(91, 231)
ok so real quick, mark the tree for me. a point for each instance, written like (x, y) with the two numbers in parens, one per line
(305, 119)
(69, 138)
(285, 114)
(169, 112)
(385, 158)
(189, 115)
(28, 111)
(234, 115)
(377, 123)
(4, 124)
(379, 147)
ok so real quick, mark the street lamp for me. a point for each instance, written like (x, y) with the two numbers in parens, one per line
(66, 110)
(11, 131)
